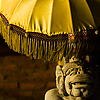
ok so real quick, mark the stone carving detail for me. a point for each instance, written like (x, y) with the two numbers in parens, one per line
(75, 81)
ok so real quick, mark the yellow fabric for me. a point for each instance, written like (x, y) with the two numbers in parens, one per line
(37, 49)
(0, 4)
(34, 48)
(52, 16)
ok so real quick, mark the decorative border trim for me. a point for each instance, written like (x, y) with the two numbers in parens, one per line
(59, 37)
(36, 35)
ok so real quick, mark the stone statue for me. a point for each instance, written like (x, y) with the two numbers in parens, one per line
(75, 81)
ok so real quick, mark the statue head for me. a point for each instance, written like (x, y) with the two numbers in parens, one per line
(76, 79)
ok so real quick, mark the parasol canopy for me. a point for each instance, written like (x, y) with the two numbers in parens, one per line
(52, 16)
(46, 23)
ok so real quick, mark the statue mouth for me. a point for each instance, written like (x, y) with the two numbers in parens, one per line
(80, 85)
(82, 89)
(82, 81)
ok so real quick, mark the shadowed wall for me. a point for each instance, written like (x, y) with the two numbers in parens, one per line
(22, 78)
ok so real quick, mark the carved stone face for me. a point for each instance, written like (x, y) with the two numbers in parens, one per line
(73, 79)
(77, 82)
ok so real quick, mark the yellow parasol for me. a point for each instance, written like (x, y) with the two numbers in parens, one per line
(40, 28)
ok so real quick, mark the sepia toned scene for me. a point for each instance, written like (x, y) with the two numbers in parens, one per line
(49, 49)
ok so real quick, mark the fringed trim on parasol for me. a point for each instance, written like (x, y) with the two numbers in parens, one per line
(32, 47)
(40, 46)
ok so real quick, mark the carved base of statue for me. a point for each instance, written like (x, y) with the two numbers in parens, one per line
(75, 81)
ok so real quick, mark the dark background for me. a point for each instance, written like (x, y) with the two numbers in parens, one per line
(22, 78)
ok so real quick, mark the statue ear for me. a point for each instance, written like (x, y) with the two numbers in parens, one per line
(58, 70)
(59, 79)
